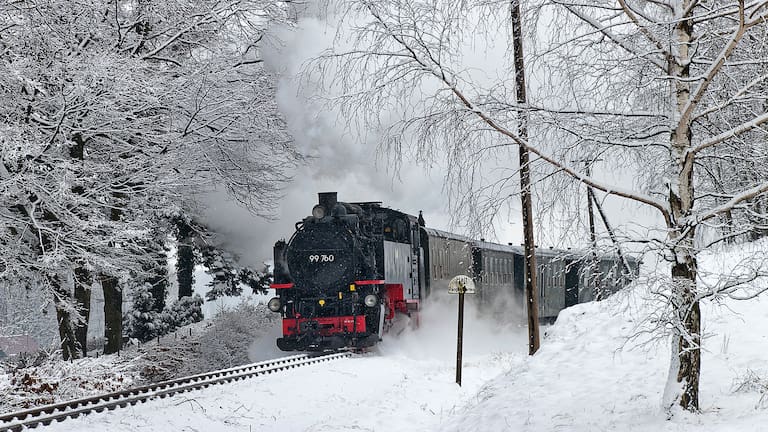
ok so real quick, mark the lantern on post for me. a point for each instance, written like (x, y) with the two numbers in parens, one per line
(461, 284)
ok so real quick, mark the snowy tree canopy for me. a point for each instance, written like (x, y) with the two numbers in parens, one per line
(116, 115)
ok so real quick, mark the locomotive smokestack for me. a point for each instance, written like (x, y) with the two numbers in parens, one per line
(327, 200)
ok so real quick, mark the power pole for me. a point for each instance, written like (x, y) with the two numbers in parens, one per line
(590, 209)
(622, 261)
(531, 297)
(592, 237)
(591, 200)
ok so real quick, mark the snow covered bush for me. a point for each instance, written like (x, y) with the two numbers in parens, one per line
(753, 381)
(143, 322)
(225, 343)
(186, 310)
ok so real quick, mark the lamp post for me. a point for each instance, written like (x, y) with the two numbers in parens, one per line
(460, 285)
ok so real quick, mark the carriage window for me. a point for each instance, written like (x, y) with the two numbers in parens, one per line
(495, 270)
(551, 275)
(440, 259)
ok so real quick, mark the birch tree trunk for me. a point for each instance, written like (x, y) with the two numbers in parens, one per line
(683, 380)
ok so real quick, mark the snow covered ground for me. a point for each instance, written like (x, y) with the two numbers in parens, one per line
(586, 377)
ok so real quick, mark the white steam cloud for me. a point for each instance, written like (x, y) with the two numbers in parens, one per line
(435, 337)
(337, 163)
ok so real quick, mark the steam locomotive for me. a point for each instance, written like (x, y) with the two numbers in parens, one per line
(351, 267)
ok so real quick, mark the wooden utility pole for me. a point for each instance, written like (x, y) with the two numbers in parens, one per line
(592, 201)
(597, 293)
(590, 209)
(531, 297)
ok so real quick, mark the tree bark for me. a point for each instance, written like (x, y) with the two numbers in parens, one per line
(113, 296)
(185, 264)
(83, 299)
(688, 343)
(113, 314)
(83, 278)
(62, 301)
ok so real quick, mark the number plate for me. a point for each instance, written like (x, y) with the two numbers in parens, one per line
(321, 258)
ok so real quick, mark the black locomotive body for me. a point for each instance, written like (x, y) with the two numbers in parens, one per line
(347, 269)
(350, 267)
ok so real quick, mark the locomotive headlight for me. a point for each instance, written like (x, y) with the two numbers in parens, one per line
(370, 300)
(275, 304)
(318, 211)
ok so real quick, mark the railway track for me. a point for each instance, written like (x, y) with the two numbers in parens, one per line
(47, 414)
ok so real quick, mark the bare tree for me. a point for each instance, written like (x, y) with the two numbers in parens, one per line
(659, 87)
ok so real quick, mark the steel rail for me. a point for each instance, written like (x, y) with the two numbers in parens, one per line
(17, 421)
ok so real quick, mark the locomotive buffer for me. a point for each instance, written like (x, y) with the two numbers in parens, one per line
(460, 285)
